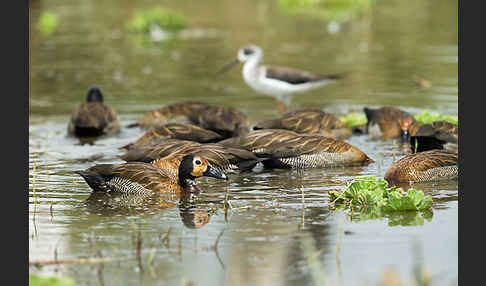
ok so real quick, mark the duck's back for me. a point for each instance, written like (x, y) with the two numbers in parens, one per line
(224, 120)
(432, 165)
(288, 149)
(308, 121)
(313, 152)
(93, 119)
(181, 112)
(131, 177)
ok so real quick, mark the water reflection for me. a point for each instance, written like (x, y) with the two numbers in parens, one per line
(397, 218)
(194, 213)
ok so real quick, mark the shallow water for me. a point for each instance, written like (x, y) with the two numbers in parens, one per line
(270, 236)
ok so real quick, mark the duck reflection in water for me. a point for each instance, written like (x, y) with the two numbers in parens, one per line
(194, 213)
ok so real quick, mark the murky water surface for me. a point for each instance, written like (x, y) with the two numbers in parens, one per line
(274, 233)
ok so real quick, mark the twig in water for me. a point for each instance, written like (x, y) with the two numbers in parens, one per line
(339, 239)
(215, 248)
(338, 248)
(50, 210)
(139, 249)
(35, 197)
(150, 259)
(100, 269)
(303, 207)
(179, 249)
(75, 261)
(165, 239)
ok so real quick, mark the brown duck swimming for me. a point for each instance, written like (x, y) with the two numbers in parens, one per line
(432, 165)
(139, 178)
(168, 155)
(93, 118)
(308, 121)
(287, 149)
(176, 131)
(390, 122)
(180, 112)
(224, 120)
(435, 135)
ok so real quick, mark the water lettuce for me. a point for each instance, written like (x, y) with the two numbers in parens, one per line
(372, 192)
(429, 117)
(354, 119)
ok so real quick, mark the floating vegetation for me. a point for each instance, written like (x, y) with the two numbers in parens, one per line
(429, 117)
(354, 119)
(156, 19)
(369, 191)
(35, 280)
(369, 198)
(337, 10)
(48, 22)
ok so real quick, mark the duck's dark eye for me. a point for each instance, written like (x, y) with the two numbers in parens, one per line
(247, 51)
(198, 162)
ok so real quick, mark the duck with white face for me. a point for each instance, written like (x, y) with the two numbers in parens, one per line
(276, 81)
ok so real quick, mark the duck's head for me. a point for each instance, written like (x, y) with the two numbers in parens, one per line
(94, 95)
(405, 123)
(194, 166)
(245, 54)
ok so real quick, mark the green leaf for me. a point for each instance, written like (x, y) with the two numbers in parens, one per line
(429, 117)
(142, 22)
(369, 194)
(35, 280)
(354, 119)
(48, 22)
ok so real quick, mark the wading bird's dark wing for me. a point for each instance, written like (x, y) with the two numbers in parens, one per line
(294, 76)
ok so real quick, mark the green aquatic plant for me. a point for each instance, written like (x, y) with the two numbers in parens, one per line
(371, 192)
(354, 119)
(338, 10)
(48, 22)
(35, 280)
(144, 21)
(429, 117)
(369, 198)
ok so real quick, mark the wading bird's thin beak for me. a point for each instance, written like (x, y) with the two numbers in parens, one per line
(228, 66)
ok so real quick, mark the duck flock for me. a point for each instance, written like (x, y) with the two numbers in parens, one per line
(187, 140)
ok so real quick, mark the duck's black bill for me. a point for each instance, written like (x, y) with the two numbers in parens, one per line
(215, 173)
(228, 66)
(405, 136)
